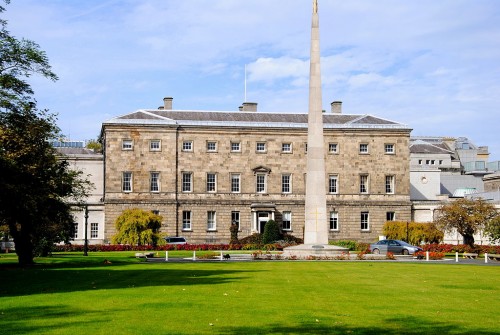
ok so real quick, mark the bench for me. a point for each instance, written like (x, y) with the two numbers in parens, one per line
(495, 257)
(144, 254)
(469, 255)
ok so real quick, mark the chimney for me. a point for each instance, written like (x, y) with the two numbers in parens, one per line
(337, 107)
(249, 106)
(167, 103)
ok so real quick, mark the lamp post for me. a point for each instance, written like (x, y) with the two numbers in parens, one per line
(407, 232)
(86, 243)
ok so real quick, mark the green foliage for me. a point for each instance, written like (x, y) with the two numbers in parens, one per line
(272, 232)
(94, 145)
(492, 229)
(468, 217)
(417, 233)
(137, 227)
(233, 229)
(351, 245)
(254, 239)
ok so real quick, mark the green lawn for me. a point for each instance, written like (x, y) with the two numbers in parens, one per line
(71, 294)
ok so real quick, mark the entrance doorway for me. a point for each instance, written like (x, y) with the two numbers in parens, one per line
(262, 218)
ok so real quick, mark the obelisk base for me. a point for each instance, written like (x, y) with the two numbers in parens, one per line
(304, 251)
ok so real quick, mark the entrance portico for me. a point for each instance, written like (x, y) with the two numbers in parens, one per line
(261, 213)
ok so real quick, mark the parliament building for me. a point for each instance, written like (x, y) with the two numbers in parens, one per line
(203, 170)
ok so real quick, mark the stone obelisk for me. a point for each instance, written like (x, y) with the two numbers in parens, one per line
(316, 229)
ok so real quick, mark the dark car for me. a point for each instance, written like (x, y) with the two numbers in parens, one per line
(175, 240)
(394, 246)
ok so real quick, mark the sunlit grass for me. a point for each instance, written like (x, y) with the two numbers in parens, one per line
(72, 294)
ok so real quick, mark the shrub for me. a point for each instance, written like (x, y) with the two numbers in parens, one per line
(271, 232)
(417, 232)
(434, 255)
(255, 238)
(390, 255)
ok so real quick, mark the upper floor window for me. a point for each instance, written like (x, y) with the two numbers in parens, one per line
(235, 146)
(127, 144)
(389, 148)
(334, 221)
(187, 182)
(127, 182)
(287, 221)
(286, 183)
(333, 184)
(286, 147)
(261, 147)
(261, 186)
(363, 148)
(211, 220)
(365, 221)
(363, 183)
(333, 148)
(235, 182)
(154, 182)
(155, 145)
(211, 182)
(389, 184)
(187, 146)
(211, 146)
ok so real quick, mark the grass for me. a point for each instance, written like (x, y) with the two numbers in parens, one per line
(72, 294)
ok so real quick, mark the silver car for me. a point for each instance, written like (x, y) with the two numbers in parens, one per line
(394, 246)
(175, 240)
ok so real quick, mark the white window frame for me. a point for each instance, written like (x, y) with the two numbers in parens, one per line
(333, 184)
(333, 148)
(211, 182)
(235, 182)
(287, 221)
(127, 181)
(155, 145)
(363, 184)
(286, 183)
(334, 221)
(127, 145)
(94, 230)
(211, 146)
(286, 148)
(389, 184)
(186, 221)
(261, 183)
(211, 220)
(187, 146)
(187, 182)
(389, 148)
(154, 182)
(363, 148)
(365, 221)
(235, 146)
(75, 234)
(261, 147)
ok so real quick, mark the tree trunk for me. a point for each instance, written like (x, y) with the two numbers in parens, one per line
(469, 240)
(24, 247)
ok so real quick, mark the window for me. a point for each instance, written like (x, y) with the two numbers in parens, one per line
(389, 148)
(211, 146)
(211, 220)
(389, 184)
(235, 182)
(235, 218)
(333, 184)
(187, 146)
(186, 220)
(420, 162)
(154, 184)
(94, 230)
(155, 212)
(390, 216)
(334, 221)
(286, 183)
(365, 221)
(261, 146)
(155, 145)
(187, 183)
(333, 148)
(75, 235)
(305, 147)
(287, 220)
(363, 183)
(127, 182)
(261, 183)
(127, 144)
(211, 182)
(363, 148)
(235, 146)
(286, 147)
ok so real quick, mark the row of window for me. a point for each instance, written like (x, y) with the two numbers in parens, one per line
(430, 162)
(260, 183)
(261, 147)
(334, 223)
(94, 230)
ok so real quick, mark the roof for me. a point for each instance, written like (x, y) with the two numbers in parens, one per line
(250, 119)
(425, 147)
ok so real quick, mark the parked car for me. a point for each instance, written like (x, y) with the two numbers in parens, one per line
(175, 240)
(394, 246)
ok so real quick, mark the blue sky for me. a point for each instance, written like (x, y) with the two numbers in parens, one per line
(433, 65)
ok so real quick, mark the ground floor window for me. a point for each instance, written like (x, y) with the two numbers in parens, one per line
(334, 221)
(365, 223)
(94, 230)
(75, 235)
(390, 216)
(186, 220)
(235, 218)
(287, 220)
(211, 221)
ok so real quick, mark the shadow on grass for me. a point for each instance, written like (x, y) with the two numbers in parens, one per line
(395, 326)
(54, 278)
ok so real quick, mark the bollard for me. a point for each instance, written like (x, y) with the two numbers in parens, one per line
(486, 257)
(194, 255)
(427, 256)
(166, 255)
(456, 257)
(221, 257)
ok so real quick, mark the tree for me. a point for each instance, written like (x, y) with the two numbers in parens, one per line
(271, 232)
(467, 217)
(492, 230)
(234, 234)
(36, 186)
(94, 145)
(137, 227)
(412, 232)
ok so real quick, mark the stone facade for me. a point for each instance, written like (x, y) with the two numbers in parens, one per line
(210, 149)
